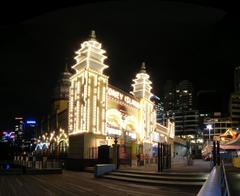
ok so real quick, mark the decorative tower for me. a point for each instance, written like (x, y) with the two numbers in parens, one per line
(61, 95)
(87, 101)
(142, 90)
(142, 84)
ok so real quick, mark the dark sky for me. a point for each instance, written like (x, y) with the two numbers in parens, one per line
(176, 40)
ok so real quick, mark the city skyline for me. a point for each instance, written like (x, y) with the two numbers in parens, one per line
(173, 46)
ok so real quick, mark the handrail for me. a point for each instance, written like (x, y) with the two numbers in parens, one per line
(224, 182)
(211, 186)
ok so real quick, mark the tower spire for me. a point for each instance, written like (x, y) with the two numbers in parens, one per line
(93, 35)
(142, 85)
(66, 65)
(143, 68)
(66, 68)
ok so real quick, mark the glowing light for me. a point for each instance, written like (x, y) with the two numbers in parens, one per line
(120, 96)
(113, 131)
(90, 99)
(132, 135)
(18, 118)
(84, 117)
(31, 122)
(209, 127)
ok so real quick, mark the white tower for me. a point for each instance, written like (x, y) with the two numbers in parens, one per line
(87, 101)
(142, 89)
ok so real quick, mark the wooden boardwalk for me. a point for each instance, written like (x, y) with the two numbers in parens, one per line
(81, 183)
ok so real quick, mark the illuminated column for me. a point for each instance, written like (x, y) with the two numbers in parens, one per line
(142, 90)
(87, 103)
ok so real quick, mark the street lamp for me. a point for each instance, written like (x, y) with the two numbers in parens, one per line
(114, 133)
(209, 127)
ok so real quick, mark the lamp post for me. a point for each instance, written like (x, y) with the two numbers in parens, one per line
(115, 160)
(114, 134)
(209, 127)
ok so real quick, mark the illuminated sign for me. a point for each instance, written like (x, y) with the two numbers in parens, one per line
(121, 97)
(31, 122)
(113, 132)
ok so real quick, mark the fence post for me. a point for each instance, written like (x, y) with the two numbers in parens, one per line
(218, 153)
(214, 153)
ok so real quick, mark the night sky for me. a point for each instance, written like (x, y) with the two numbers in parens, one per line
(176, 40)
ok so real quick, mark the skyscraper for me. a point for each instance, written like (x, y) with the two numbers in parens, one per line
(184, 96)
(237, 79)
(179, 103)
(234, 110)
(234, 102)
(18, 129)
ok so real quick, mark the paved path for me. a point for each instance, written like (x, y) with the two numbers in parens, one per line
(81, 183)
(199, 166)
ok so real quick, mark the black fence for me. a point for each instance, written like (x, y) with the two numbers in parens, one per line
(164, 156)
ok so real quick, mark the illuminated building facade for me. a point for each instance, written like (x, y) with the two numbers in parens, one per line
(18, 129)
(100, 112)
(52, 137)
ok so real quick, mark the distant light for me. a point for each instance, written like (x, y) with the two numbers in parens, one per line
(18, 118)
(209, 127)
(31, 122)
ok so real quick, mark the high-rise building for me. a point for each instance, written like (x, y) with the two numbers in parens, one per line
(237, 79)
(18, 129)
(215, 126)
(178, 100)
(234, 110)
(178, 97)
(160, 112)
(187, 122)
(179, 104)
(169, 96)
(161, 117)
(184, 96)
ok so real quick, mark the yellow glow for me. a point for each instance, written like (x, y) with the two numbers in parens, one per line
(89, 69)
(90, 95)
(142, 86)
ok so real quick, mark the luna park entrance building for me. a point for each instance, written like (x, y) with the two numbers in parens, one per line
(100, 114)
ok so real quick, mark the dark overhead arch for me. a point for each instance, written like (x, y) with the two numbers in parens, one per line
(17, 12)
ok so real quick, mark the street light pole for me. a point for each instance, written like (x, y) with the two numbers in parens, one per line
(116, 151)
(209, 127)
(209, 134)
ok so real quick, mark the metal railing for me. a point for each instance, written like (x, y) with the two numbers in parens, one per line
(224, 182)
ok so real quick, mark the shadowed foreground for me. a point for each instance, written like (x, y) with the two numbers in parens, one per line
(81, 183)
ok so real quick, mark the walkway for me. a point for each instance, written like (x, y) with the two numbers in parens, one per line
(81, 183)
(178, 166)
